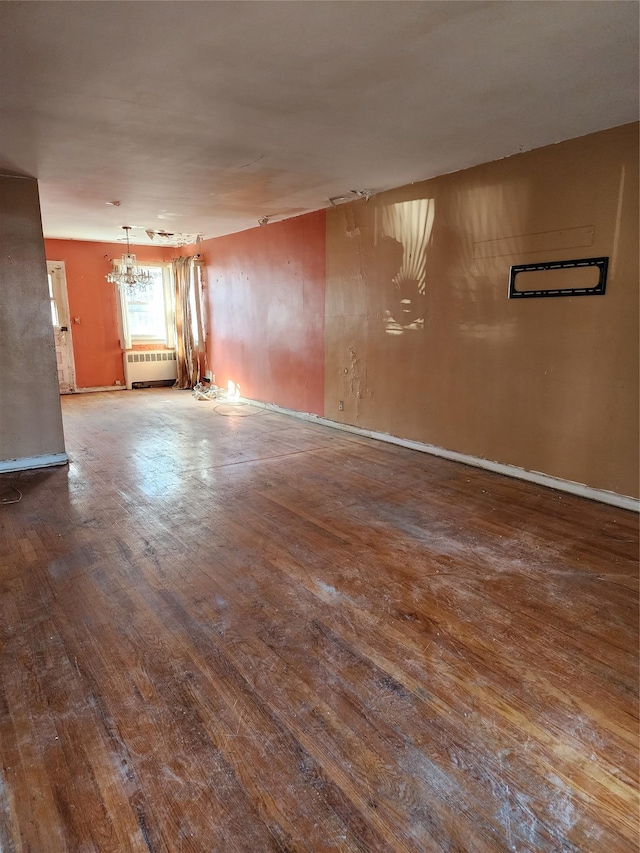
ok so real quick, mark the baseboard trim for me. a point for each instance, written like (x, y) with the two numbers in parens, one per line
(26, 463)
(541, 479)
(96, 388)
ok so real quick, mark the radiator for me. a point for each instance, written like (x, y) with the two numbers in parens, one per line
(149, 367)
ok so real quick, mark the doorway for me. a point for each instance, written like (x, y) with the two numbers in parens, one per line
(61, 326)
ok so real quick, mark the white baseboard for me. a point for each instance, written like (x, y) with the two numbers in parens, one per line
(100, 388)
(26, 463)
(583, 491)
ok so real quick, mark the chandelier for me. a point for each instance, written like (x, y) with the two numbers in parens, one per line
(127, 274)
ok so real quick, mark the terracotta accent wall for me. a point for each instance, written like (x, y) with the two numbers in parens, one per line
(266, 311)
(423, 343)
(96, 342)
(30, 416)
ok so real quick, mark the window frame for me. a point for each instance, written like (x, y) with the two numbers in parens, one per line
(129, 341)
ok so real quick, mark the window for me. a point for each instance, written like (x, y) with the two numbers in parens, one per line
(148, 317)
(195, 300)
(52, 300)
(147, 312)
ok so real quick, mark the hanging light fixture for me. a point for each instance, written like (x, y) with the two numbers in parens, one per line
(127, 274)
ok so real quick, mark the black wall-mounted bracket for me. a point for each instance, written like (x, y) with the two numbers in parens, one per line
(597, 290)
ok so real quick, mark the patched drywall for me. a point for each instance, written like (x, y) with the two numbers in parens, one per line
(423, 343)
(30, 416)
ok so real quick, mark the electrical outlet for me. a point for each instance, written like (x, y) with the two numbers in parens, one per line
(340, 406)
(118, 382)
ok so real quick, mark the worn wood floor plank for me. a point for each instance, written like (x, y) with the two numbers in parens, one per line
(230, 631)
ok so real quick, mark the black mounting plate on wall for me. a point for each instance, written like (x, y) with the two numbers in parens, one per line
(597, 290)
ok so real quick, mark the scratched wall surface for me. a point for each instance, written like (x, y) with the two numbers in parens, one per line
(266, 303)
(422, 342)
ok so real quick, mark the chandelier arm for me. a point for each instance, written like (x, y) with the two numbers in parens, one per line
(127, 275)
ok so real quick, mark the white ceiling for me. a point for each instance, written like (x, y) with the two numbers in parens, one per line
(204, 116)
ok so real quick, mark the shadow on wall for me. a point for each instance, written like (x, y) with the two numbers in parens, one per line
(409, 247)
(478, 276)
(406, 247)
(395, 250)
(402, 233)
(415, 260)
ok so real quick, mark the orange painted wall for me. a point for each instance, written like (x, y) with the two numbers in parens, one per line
(266, 292)
(96, 342)
(419, 339)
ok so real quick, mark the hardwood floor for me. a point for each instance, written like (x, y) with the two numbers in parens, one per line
(234, 631)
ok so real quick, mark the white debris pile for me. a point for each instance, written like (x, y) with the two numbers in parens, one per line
(205, 390)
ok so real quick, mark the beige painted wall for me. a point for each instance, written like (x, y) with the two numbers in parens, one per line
(423, 343)
(30, 416)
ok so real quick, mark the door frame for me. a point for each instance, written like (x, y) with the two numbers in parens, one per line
(58, 267)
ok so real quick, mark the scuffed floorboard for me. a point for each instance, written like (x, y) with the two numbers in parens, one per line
(248, 633)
